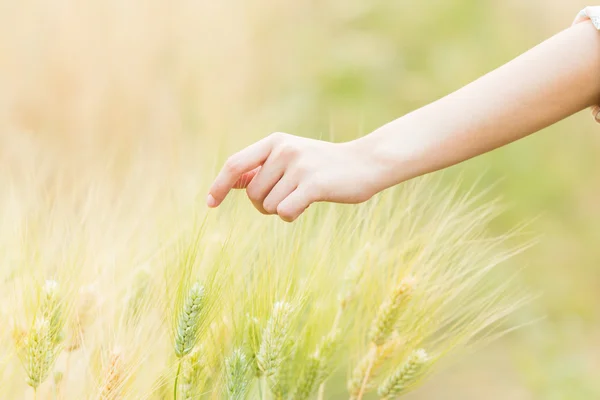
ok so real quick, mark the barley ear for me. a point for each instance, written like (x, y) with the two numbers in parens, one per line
(237, 375)
(41, 345)
(367, 368)
(389, 312)
(38, 353)
(192, 370)
(404, 376)
(114, 376)
(273, 351)
(186, 335)
(51, 310)
(317, 368)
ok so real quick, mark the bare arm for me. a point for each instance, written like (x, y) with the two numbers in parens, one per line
(284, 174)
(557, 78)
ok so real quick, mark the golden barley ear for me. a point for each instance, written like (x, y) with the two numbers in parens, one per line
(114, 376)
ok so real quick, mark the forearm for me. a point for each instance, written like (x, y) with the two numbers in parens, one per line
(557, 78)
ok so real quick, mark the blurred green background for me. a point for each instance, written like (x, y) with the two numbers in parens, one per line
(133, 74)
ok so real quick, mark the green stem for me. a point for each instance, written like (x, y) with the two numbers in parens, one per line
(321, 394)
(260, 388)
(176, 380)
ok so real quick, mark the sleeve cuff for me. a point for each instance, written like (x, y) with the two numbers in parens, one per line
(589, 13)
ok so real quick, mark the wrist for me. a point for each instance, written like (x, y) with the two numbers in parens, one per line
(394, 151)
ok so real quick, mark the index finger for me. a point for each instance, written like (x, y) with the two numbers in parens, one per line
(237, 165)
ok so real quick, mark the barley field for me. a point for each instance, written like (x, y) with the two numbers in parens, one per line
(116, 282)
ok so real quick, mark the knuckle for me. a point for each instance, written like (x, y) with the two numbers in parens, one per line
(301, 169)
(314, 190)
(253, 193)
(277, 136)
(286, 215)
(286, 151)
(232, 165)
(260, 209)
(269, 207)
(288, 220)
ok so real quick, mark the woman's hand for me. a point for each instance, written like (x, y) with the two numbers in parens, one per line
(284, 174)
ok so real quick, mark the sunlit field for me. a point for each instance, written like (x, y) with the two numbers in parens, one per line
(116, 282)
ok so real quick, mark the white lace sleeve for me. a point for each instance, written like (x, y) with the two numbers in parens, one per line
(592, 14)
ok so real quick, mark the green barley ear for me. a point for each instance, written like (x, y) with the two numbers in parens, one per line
(188, 320)
(41, 345)
(389, 312)
(193, 369)
(400, 381)
(317, 368)
(272, 353)
(237, 375)
(51, 310)
(38, 353)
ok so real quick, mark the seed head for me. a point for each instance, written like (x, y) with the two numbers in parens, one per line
(370, 364)
(404, 376)
(186, 335)
(389, 312)
(274, 347)
(193, 369)
(237, 379)
(114, 376)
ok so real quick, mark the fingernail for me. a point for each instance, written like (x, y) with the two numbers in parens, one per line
(210, 201)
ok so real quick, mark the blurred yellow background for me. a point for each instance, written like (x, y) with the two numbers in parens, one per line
(94, 85)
